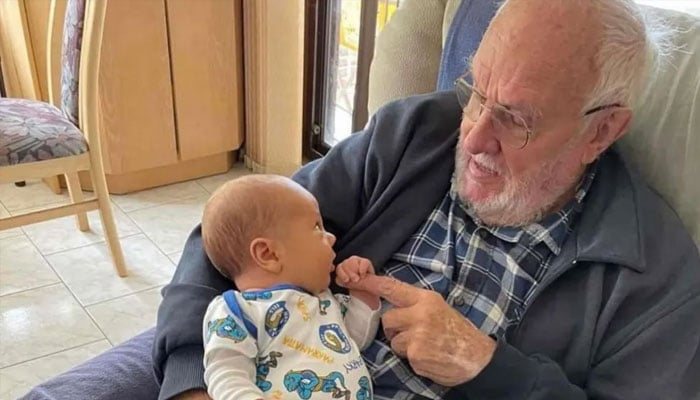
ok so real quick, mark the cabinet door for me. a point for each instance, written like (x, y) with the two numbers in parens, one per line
(37, 23)
(206, 55)
(136, 106)
(18, 67)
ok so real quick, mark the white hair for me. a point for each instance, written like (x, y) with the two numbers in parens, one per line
(633, 46)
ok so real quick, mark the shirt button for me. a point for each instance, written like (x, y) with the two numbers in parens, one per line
(459, 301)
(483, 233)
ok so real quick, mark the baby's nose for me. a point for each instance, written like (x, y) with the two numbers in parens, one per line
(331, 238)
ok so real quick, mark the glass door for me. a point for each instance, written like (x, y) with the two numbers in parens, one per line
(339, 48)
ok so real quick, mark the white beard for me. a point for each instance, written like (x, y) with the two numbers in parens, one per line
(522, 201)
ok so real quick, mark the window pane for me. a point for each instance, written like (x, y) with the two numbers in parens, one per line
(344, 28)
(342, 55)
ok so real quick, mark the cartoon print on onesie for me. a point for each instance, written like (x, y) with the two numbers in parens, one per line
(323, 306)
(257, 295)
(276, 317)
(263, 366)
(333, 337)
(307, 382)
(303, 310)
(365, 392)
(226, 328)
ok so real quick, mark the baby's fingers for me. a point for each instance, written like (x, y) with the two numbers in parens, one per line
(366, 268)
(341, 276)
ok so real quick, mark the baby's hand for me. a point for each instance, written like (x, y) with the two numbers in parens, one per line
(352, 270)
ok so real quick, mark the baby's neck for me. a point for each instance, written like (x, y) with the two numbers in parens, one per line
(246, 283)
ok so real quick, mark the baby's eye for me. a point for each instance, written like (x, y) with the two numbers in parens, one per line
(318, 226)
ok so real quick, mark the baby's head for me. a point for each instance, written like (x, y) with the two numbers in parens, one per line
(263, 230)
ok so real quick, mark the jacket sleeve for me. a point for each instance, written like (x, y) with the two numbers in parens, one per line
(178, 347)
(335, 180)
(643, 366)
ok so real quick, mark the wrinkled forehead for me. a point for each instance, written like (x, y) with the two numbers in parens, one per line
(541, 50)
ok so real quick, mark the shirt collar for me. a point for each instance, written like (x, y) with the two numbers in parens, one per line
(552, 229)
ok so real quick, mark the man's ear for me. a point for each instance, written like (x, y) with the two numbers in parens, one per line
(606, 128)
(265, 254)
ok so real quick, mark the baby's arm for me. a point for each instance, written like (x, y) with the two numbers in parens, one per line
(229, 355)
(361, 312)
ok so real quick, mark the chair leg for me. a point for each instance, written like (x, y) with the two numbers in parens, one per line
(110, 229)
(52, 182)
(76, 196)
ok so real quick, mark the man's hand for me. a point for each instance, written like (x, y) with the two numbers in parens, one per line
(439, 343)
(353, 270)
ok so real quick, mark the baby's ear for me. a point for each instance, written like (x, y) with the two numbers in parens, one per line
(265, 254)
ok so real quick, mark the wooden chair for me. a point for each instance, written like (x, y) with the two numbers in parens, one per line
(38, 140)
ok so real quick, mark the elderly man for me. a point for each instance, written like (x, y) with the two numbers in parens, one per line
(533, 264)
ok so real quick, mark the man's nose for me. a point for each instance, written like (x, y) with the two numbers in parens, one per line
(479, 137)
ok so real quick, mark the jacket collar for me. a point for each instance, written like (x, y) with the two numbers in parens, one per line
(609, 229)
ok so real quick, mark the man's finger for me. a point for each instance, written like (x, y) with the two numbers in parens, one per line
(400, 343)
(394, 291)
(398, 319)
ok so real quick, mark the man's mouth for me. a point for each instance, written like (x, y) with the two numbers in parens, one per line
(479, 170)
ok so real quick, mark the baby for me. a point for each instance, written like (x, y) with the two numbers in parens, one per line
(282, 335)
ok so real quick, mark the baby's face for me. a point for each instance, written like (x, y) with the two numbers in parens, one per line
(308, 249)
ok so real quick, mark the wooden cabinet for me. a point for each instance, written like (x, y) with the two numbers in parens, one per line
(207, 74)
(137, 117)
(171, 88)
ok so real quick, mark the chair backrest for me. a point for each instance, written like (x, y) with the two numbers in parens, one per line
(70, 58)
(664, 141)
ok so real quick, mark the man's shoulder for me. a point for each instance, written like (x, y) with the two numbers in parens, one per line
(640, 228)
(661, 230)
(415, 126)
(437, 101)
(432, 112)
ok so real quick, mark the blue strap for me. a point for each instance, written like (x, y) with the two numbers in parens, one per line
(232, 303)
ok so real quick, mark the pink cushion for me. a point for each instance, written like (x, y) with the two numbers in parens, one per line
(33, 131)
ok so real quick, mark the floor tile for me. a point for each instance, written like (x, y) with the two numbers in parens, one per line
(34, 194)
(8, 232)
(168, 225)
(175, 257)
(127, 316)
(89, 274)
(156, 196)
(63, 233)
(210, 183)
(42, 321)
(22, 267)
(16, 380)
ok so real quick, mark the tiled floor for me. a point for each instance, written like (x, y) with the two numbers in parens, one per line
(54, 278)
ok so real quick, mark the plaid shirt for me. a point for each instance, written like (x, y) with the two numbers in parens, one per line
(486, 273)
